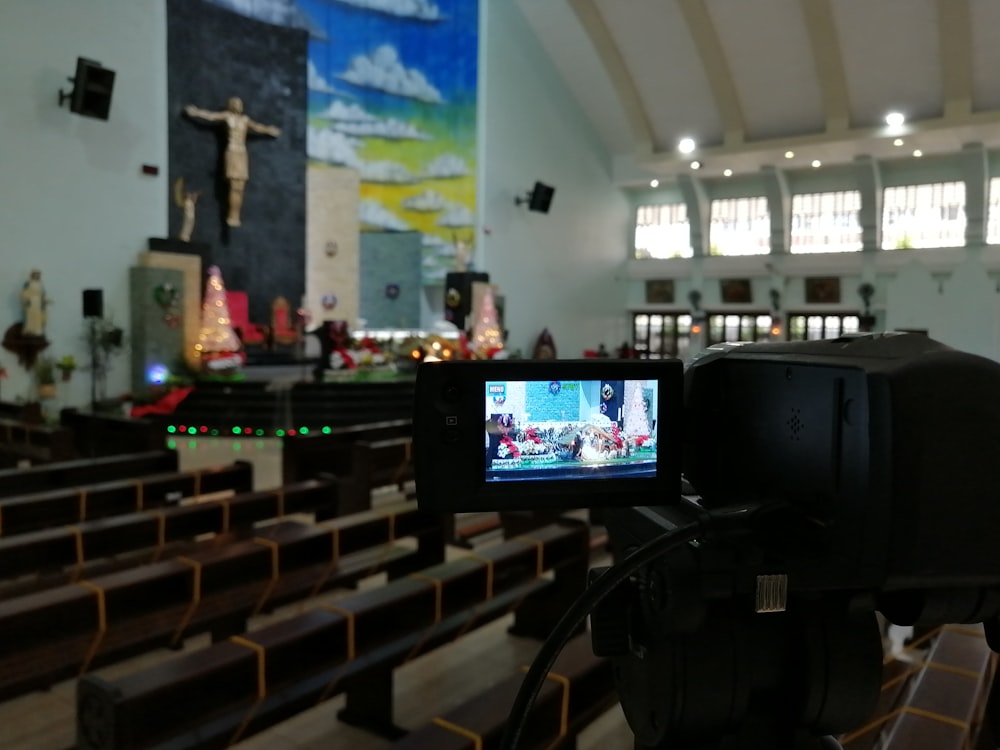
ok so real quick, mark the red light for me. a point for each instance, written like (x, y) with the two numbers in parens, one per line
(181, 428)
(203, 428)
(291, 432)
(247, 430)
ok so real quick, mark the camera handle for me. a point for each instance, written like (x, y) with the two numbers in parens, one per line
(729, 678)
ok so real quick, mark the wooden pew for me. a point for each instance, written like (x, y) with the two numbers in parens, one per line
(157, 530)
(936, 704)
(580, 688)
(85, 471)
(23, 513)
(238, 687)
(109, 435)
(37, 443)
(62, 632)
(377, 463)
(306, 456)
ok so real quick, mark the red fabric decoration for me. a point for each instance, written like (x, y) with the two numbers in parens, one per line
(166, 405)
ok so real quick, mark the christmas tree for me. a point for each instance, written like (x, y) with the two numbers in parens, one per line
(487, 339)
(636, 419)
(218, 345)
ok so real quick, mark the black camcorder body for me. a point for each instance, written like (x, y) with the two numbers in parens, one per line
(854, 475)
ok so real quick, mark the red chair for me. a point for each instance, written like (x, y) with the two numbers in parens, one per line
(250, 334)
(284, 328)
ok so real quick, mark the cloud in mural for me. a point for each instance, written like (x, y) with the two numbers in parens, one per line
(456, 216)
(340, 112)
(422, 10)
(427, 201)
(431, 240)
(317, 82)
(390, 172)
(277, 12)
(374, 214)
(391, 129)
(383, 70)
(332, 147)
(447, 166)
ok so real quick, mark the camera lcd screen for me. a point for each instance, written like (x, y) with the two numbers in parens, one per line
(570, 429)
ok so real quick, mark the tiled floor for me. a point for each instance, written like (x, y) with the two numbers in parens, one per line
(425, 688)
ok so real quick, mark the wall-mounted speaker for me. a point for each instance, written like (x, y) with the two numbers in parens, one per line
(92, 87)
(93, 303)
(539, 199)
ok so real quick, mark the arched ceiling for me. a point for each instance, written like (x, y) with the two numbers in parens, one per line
(750, 80)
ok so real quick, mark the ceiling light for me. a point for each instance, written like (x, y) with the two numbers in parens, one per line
(817, 163)
(789, 154)
(654, 183)
(895, 119)
(686, 145)
(696, 164)
(728, 172)
(918, 153)
(898, 142)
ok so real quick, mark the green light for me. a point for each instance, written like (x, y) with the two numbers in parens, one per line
(192, 430)
(327, 430)
(171, 444)
(279, 433)
(303, 430)
(171, 429)
(259, 432)
(214, 432)
(237, 430)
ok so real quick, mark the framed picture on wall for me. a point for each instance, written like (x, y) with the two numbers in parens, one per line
(736, 291)
(822, 290)
(660, 291)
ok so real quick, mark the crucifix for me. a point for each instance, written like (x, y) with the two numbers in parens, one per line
(238, 124)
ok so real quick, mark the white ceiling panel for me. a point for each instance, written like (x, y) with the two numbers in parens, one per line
(891, 58)
(985, 54)
(573, 56)
(770, 57)
(661, 57)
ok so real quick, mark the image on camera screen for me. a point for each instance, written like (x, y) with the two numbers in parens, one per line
(570, 429)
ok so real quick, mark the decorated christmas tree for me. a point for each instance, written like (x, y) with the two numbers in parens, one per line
(218, 345)
(636, 419)
(487, 338)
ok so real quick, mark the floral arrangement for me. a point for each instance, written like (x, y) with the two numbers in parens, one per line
(364, 353)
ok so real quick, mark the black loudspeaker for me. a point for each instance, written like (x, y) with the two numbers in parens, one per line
(539, 199)
(93, 303)
(458, 296)
(92, 86)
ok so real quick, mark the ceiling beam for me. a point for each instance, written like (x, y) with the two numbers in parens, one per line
(621, 79)
(955, 41)
(825, 45)
(720, 77)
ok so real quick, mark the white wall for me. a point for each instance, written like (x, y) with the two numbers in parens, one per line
(75, 203)
(559, 270)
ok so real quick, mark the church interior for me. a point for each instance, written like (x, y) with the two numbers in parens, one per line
(234, 233)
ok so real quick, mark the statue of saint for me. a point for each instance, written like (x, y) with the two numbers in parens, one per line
(187, 200)
(33, 304)
(237, 164)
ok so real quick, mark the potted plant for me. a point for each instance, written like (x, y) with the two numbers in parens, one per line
(66, 365)
(45, 376)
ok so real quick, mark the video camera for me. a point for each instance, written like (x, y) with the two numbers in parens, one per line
(825, 481)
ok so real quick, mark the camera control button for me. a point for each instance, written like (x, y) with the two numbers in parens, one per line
(451, 420)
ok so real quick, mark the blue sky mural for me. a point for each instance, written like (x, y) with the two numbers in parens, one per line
(392, 93)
